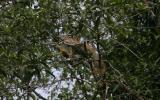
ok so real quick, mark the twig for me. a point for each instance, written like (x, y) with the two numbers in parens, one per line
(40, 96)
(130, 90)
(128, 49)
(73, 78)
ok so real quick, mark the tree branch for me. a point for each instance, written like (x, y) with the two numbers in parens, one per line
(147, 4)
(40, 96)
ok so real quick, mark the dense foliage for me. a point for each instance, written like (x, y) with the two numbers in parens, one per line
(125, 31)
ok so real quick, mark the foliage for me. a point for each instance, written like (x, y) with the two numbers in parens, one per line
(126, 31)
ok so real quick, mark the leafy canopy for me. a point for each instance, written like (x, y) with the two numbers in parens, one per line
(126, 31)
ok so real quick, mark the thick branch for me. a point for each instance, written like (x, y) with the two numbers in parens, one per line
(147, 4)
